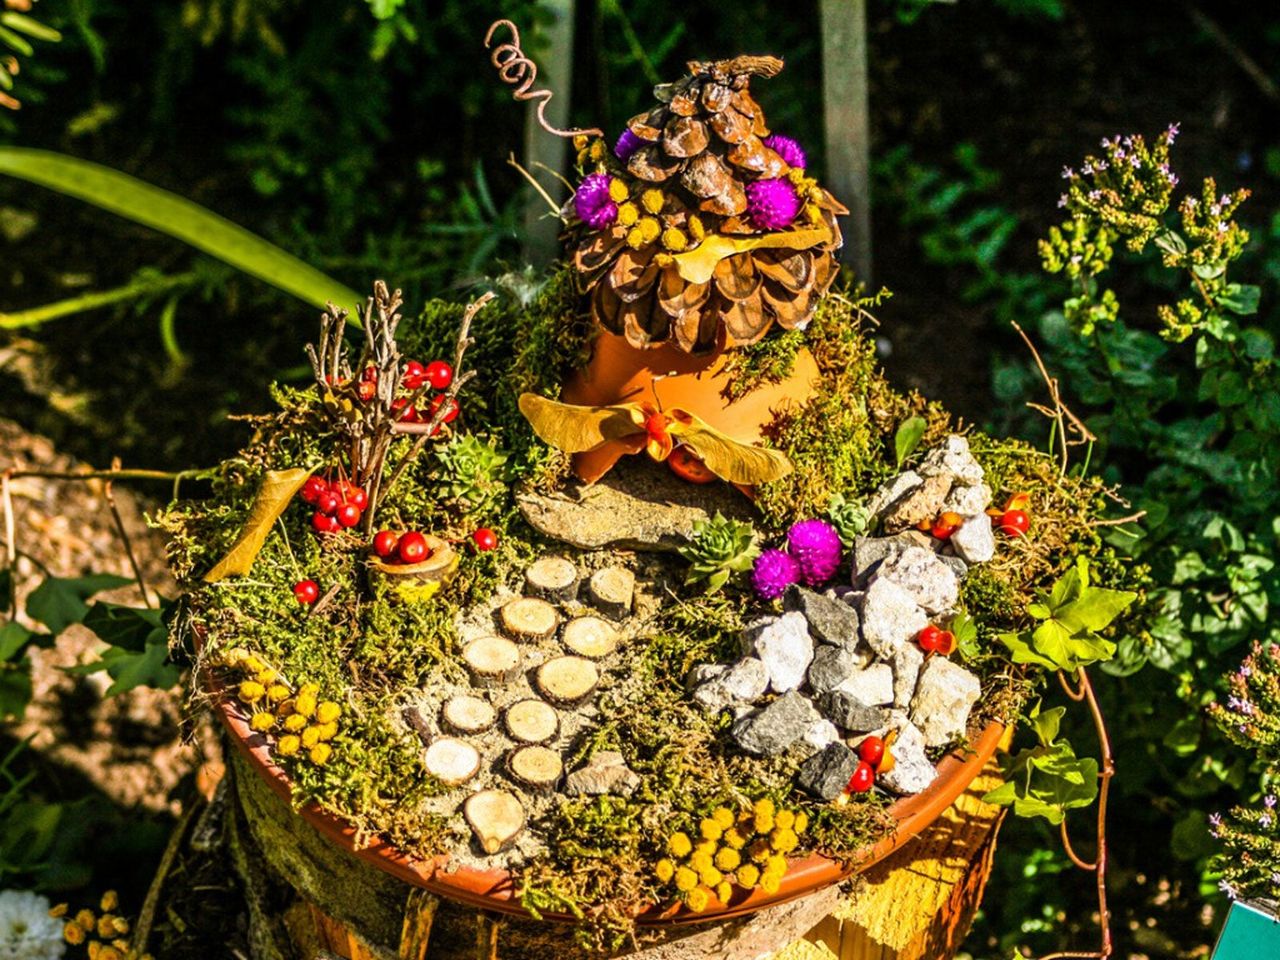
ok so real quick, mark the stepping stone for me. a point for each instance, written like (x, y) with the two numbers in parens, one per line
(468, 714)
(590, 637)
(496, 817)
(612, 591)
(528, 618)
(605, 772)
(531, 721)
(492, 661)
(566, 680)
(452, 761)
(553, 578)
(535, 767)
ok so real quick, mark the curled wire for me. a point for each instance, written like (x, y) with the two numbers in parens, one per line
(517, 70)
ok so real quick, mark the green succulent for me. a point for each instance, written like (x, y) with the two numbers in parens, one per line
(473, 471)
(850, 518)
(719, 549)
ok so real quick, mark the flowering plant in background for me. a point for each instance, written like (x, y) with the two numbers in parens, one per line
(27, 931)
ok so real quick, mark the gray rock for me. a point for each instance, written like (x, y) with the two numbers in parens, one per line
(820, 733)
(967, 500)
(830, 620)
(702, 673)
(890, 617)
(827, 773)
(849, 713)
(831, 667)
(975, 542)
(924, 575)
(870, 552)
(786, 648)
(912, 771)
(891, 491)
(921, 504)
(958, 566)
(638, 505)
(746, 680)
(769, 731)
(945, 693)
(906, 671)
(605, 772)
(873, 686)
(952, 458)
(711, 696)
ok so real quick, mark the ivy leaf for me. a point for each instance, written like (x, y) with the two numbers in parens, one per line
(1047, 724)
(60, 601)
(277, 489)
(908, 437)
(966, 634)
(149, 667)
(1094, 610)
(1047, 781)
(1020, 647)
(15, 689)
(15, 638)
(129, 628)
(1241, 299)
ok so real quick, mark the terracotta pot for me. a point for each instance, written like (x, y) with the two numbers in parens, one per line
(668, 377)
(495, 890)
(415, 582)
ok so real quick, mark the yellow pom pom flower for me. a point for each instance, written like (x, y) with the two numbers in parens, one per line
(802, 822)
(251, 691)
(679, 844)
(727, 859)
(776, 864)
(310, 737)
(685, 879)
(769, 883)
(783, 841)
(784, 819)
(748, 875)
(110, 953)
(723, 816)
(106, 926)
(759, 850)
(305, 703)
(262, 721)
(110, 900)
(628, 214)
(320, 754)
(596, 151)
(277, 693)
(701, 859)
(618, 190)
(267, 676)
(724, 890)
(710, 876)
(673, 239)
(695, 228)
(73, 933)
(93, 949)
(59, 911)
(664, 870)
(652, 200)
(635, 238)
(734, 839)
(327, 731)
(295, 722)
(763, 815)
(327, 711)
(250, 663)
(288, 745)
(649, 229)
(710, 829)
(698, 899)
(580, 141)
(121, 925)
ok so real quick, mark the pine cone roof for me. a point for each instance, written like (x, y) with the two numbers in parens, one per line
(695, 228)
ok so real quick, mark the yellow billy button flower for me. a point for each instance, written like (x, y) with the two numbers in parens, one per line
(59, 911)
(580, 141)
(701, 859)
(710, 876)
(628, 214)
(86, 920)
(635, 238)
(776, 864)
(802, 822)
(596, 151)
(110, 953)
(763, 815)
(251, 663)
(723, 816)
(327, 731)
(698, 899)
(734, 839)
(685, 879)
(277, 693)
(783, 841)
(674, 240)
(652, 200)
(724, 890)
(288, 745)
(320, 754)
(93, 949)
(106, 926)
(305, 703)
(710, 829)
(327, 711)
(267, 676)
(74, 934)
(295, 722)
(664, 870)
(679, 844)
(770, 883)
(649, 229)
(262, 721)
(618, 190)
(727, 859)
(695, 228)
(759, 850)
(310, 737)
(784, 819)
(748, 875)
(110, 900)
(251, 691)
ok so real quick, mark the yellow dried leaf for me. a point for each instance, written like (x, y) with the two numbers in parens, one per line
(699, 264)
(575, 429)
(727, 458)
(278, 488)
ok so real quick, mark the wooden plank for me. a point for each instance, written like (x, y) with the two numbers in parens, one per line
(555, 72)
(847, 124)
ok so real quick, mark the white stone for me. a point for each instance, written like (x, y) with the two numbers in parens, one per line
(785, 647)
(912, 771)
(891, 491)
(820, 733)
(746, 680)
(890, 617)
(975, 542)
(952, 457)
(924, 575)
(906, 671)
(945, 693)
(873, 686)
(967, 499)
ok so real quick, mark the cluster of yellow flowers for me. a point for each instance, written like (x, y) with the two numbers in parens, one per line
(101, 934)
(299, 720)
(748, 849)
(643, 216)
(809, 192)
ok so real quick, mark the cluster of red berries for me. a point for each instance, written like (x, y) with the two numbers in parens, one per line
(943, 527)
(871, 754)
(437, 374)
(1013, 520)
(339, 505)
(408, 547)
(934, 639)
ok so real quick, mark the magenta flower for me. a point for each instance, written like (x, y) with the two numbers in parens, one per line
(772, 204)
(774, 571)
(592, 202)
(787, 148)
(815, 545)
(628, 143)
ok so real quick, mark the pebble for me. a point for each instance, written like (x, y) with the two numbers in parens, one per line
(850, 714)
(870, 552)
(784, 646)
(912, 771)
(952, 458)
(945, 693)
(891, 491)
(831, 667)
(873, 686)
(606, 772)
(922, 504)
(924, 575)
(820, 733)
(826, 774)
(890, 617)
(967, 500)
(830, 620)
(975, 542)
(772, 729)
(906, 670)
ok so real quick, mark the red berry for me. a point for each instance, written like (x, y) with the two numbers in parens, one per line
(485, 539)
(689, 466)
(413, 547)
(871, 750)
(366, 390)
(348, 515)
(946, 643)
(384, 543)
(439, 374)
(1014, 523)
(328, 501)
(408, 414)
(946, 524)
(357, 496)
(450, 412)
(306, 592)
(862, 778)
(414, 376)
(323, 522)
(369, 374)
(312, 489)
(928, 638)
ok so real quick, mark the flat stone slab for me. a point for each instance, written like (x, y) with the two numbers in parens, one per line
(638, 505)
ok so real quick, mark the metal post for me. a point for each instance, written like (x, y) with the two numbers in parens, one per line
(555, 72)
(846, 121)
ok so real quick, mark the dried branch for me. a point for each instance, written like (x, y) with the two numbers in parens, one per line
(518, 71)
(1065, 422)
(125, 540)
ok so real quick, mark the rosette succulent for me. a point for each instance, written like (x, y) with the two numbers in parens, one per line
(719, 549)
(473, 471)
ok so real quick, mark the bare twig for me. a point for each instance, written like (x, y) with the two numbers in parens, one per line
(518, 71)
(10, 545)
(513, 162)
(125, 540)
(1064, 420)
(1118, 521)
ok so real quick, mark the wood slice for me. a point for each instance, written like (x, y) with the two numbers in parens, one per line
(467, 714)
(495, 817)
(590, 637)
(567, 680)
(612, 590)
(553, 578)
(452, 761)
(528, 618)
(535, 767)
(492, 661)
(531, 721)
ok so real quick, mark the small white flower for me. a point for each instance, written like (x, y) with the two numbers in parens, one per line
(27, 932)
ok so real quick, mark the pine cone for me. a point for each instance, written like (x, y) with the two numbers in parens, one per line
(699, 165)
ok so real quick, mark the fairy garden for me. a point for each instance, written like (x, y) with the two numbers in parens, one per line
(645, 587)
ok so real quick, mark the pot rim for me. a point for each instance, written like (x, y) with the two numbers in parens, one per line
(495, 890)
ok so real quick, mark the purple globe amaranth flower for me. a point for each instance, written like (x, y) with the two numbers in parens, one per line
(774, 571)
(592, 202)
(772, 204)
(815, 546)
(627, 144)
(787, 148)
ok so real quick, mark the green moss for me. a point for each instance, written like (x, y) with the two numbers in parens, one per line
(770, 360)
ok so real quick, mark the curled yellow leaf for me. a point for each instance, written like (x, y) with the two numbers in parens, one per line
(699, 264)
(574, 428)
(277, 489)
(729, 459)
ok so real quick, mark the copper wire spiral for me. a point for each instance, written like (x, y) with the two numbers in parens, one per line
(518, 71)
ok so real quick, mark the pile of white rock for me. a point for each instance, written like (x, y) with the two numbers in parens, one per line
(840, 665)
